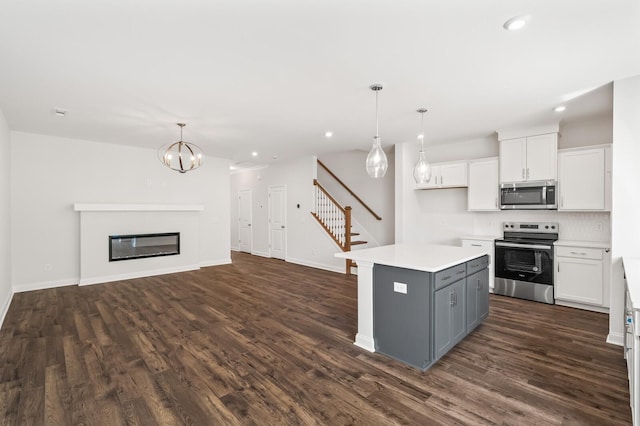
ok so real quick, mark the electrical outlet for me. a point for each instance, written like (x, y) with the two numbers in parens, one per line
(400, 288)
(47, 267)
(598, 226)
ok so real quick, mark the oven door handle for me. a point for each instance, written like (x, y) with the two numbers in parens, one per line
(516, 245)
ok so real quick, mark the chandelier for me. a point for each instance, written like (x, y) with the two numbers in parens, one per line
(181, 156)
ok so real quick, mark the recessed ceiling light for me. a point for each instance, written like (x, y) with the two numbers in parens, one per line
(275, 157)
(254, 153)
(516, 23)
(560, 108)
(60, 112)
(328, 134)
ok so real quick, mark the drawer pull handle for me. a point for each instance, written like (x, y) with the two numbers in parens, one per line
(579, 253)
(461, 272)
(476, 245)
(448, 277)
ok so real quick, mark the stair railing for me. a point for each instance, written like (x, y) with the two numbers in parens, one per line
(349, 190)
(335, 219)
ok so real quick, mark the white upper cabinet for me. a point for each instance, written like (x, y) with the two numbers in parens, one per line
(584, 179)
(446, 175)
(529, 158)
(483, 185)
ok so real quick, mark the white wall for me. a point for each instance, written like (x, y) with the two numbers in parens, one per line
(307, 243)
(378, 194)
(589, 131)
(626, 198)
(5, 219)
(50, 174)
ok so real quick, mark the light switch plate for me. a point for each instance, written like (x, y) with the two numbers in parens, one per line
(400, 288)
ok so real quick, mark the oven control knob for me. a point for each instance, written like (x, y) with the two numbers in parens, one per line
(546, 227)
(535, 269)
(553, 227)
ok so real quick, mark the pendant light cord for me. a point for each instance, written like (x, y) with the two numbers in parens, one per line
(422, 134)
(377, 137)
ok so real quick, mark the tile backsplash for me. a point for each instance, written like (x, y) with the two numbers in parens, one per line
(580, 226)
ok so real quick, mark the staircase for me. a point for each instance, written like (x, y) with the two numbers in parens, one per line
(336, 221)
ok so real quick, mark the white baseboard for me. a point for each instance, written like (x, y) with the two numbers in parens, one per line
(260, 253)
(316, 265)
(5, 307)
(43, 285)
(218, 262)
(235, 248)
(137, 274)
(616, 339)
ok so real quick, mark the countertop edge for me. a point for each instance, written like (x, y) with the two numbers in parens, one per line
(587, 244)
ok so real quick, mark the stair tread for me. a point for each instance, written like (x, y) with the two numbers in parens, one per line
(355, 233)
(356, 243)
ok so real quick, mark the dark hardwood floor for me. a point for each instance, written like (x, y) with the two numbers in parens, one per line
(262, 341)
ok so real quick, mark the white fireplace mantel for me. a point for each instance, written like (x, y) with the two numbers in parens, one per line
(100, 220)
(79, 207)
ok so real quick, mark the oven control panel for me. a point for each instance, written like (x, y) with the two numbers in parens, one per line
(550, 227)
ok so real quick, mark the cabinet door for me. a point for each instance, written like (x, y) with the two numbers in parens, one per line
(458, 312)
(512, 160)
(435, 177)
(579, 280)
(483, 185)
(477, 298)
(472, 301)
(542, 155)
(443, 301)
(582, 179)
(483, 295)
(454, 175)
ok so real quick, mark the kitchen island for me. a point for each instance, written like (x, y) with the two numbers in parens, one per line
(416, 301)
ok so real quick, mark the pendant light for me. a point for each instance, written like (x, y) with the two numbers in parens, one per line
(376, 160)
(422, 169)
(181, 156)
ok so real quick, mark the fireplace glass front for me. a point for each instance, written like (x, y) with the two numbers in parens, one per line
(126, 247)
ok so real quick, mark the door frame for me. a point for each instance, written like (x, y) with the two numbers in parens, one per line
(250, 195)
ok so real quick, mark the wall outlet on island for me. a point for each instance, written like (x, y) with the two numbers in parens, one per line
(598, 226)
(47, 267)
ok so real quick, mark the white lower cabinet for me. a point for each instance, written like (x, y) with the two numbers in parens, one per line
(486, 243)
(581, 277)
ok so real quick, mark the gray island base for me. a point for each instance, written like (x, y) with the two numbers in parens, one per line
(416, 302)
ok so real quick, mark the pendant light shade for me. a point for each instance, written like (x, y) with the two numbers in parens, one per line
(422, 169)
(181, 156)
(376, 160)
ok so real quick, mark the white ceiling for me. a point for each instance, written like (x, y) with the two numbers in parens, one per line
(274, 75)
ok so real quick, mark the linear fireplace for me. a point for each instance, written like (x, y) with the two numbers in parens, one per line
(127, 247)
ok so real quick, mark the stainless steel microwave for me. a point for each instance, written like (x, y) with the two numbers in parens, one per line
(528, 195)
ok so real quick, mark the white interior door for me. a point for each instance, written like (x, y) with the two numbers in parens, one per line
(244, 220)
(277, 222)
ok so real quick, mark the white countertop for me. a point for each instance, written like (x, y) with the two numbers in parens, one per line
(586, 244)
(480, 237)
(632, 272)
(420, 257)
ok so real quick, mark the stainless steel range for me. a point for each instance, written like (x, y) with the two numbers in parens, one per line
(524, 260)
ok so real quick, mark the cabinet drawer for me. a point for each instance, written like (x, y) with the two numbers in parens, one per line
(579, 252)
(451, 275)
(487, 245)
(476, 265)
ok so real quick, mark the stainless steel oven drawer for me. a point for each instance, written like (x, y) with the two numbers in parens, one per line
(451, 275)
